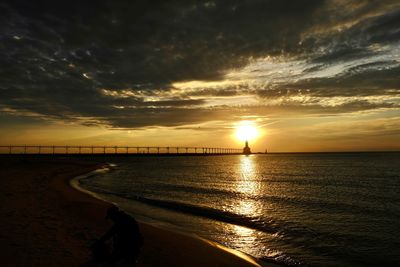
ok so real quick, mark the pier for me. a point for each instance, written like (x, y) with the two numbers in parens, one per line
(114, 150)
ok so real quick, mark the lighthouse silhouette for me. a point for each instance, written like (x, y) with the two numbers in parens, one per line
(246, 149)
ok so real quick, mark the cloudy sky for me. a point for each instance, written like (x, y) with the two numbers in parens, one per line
(312, 75)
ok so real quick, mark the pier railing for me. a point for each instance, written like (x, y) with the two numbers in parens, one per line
(72, 149)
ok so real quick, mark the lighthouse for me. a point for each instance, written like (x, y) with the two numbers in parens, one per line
(246, 149)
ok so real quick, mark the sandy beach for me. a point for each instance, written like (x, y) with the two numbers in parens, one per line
(45, 222)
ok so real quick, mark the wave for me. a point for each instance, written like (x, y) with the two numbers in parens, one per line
(339, 206)
(202, 211)
(266, 225)
(287, 232)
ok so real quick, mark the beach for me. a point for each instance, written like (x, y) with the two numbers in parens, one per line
(45, 222)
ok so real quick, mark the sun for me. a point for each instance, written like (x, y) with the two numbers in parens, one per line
(246, 131)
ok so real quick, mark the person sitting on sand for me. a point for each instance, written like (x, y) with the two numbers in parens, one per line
(126, 238)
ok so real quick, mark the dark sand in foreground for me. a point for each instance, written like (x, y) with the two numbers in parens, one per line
(45, 222)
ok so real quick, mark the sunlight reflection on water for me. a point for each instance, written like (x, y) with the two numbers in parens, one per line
(246, 184)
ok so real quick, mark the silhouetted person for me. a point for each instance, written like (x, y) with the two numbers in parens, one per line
(125, 236)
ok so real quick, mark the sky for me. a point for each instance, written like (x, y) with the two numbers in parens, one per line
(310, 75)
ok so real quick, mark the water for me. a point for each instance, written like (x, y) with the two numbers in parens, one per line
(294, 209)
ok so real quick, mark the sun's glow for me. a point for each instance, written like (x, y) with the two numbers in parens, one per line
(246, 131)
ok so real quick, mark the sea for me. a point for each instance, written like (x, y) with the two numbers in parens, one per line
(300, 209)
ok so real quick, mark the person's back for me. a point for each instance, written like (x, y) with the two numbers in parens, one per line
(125, 235)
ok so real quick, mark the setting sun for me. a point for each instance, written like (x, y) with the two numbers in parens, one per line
(246, 131)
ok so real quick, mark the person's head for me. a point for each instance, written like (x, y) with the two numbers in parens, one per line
(113, 213)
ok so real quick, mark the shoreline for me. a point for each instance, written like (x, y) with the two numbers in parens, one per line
(74, 183)
(47, 222)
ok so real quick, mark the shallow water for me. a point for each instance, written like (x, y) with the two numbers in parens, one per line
(296, 209)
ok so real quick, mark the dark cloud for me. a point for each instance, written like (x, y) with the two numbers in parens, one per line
(57, 56)
(123, 43)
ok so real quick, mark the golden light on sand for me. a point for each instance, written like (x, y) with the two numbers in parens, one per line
(246, 131)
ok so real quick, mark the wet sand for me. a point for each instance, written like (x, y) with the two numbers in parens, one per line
(45, 222)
